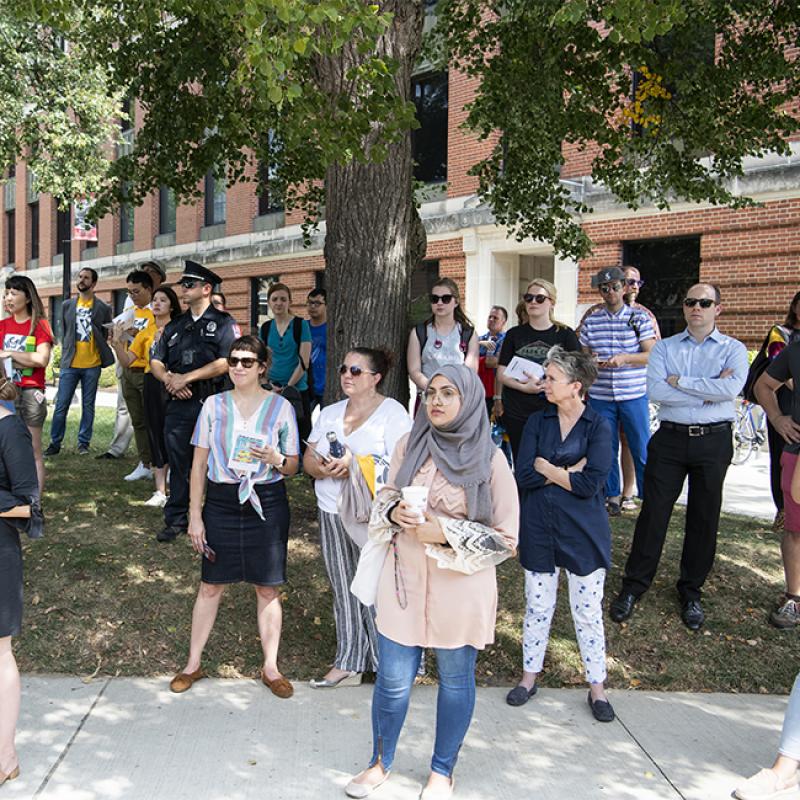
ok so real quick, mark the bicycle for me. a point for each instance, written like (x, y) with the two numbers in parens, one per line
(749, 432)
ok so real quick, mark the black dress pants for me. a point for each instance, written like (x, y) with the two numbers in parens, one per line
(179, 423)
(672, 455)
(776, 443)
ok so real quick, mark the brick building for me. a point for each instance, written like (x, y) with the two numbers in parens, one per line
(752, 254)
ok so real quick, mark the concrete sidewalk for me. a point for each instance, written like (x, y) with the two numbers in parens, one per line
(131, 739)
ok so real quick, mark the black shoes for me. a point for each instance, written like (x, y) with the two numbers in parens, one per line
(519, 695)
(601, 709)
(52, 450)
(613, 508)
(169, 533)
(621, 606)
(692, 615)
(108, 455)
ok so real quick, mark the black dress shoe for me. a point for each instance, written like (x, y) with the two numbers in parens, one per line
(108, 455)
(52, 450)
(692, 615)
(621, 606)
(519, 695)
(169, 533)
(601, 710)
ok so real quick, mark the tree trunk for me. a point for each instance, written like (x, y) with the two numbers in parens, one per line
(374, 236)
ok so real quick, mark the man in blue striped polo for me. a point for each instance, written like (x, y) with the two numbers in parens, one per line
(620, 338)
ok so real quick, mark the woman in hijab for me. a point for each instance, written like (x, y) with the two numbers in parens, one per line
(437, 587)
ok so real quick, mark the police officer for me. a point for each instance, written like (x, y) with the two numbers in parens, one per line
(190, 359)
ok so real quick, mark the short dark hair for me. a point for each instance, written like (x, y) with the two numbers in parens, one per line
(252, 344)
(505, 313)
(141, 277)
(380, 359)
(318, 293)
(92, 272)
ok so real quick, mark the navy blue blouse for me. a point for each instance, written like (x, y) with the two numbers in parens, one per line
(560, 528)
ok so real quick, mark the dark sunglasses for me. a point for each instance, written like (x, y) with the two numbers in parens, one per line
(535, 298)
(233, 361)
(691, 302)
(634, 282)
(188, 283)
(610, 287)
(441, 298)
(354, 370)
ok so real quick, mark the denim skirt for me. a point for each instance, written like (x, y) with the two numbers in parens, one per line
(10, 581)
(247, 548)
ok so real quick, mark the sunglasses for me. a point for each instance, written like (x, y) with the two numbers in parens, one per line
(610, 287)
(354, 370)
(535, 298)
(691, 302)
(233, 361)
(189, 283)
(634, 282)
(441, 298)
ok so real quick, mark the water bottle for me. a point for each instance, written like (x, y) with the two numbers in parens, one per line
(335, 447)
(497, 434)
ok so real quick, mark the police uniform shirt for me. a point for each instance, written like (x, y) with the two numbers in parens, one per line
(188, 344)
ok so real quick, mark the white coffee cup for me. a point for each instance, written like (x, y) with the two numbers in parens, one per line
(417, 498)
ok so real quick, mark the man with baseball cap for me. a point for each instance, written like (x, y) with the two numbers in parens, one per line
(620, 338)
(190, 359)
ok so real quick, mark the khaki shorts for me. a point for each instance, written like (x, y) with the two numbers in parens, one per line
(31, 405)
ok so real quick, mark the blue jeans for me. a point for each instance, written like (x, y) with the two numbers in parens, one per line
(455, 701)
(70, 378)
(634, 415)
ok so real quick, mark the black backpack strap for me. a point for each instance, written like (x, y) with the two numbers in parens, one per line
(422, 334)
(466, 335)
(265, 329)
(297, 332)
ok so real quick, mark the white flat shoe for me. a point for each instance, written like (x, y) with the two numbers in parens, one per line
(358, 790)
(351, 679)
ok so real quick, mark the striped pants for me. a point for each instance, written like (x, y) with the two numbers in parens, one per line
(356, 634)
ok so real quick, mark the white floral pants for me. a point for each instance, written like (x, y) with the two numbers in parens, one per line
(586, 605)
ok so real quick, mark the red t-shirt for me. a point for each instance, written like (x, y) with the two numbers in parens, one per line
(13, 335)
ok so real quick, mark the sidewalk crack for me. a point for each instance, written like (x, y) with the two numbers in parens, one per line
(651, 759)
(72, 738)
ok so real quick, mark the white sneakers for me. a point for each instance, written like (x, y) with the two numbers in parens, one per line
(139, 473)
(158, 500)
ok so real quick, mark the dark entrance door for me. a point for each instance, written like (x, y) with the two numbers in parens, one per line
(669, 267)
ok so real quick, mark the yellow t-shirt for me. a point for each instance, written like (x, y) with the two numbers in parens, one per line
(87, 354)
(142, 344)
(143, 320)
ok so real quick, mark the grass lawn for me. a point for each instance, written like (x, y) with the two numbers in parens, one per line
(103, 597)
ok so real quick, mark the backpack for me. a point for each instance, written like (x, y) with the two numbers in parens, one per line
(297, 334)
(421, 329)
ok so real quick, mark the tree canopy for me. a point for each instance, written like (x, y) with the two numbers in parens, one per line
(667, 96)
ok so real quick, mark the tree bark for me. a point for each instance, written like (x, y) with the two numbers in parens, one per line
(374, 235)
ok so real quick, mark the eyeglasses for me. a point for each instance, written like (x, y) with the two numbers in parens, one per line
(315, 303)
(445, 396)
(188, 283)
(634, 282)
(441, 298)
(355, 370)
(233, 361)
(610, 287)
(535, 298)
(704, 302)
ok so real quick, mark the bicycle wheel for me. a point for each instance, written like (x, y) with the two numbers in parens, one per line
(743, 438)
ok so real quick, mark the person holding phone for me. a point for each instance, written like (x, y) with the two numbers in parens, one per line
(245, 444)
(367, 424)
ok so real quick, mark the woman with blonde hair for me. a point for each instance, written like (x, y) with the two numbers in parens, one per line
(531, 342)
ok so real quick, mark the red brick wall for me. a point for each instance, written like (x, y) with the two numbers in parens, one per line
(242, 205)
(751, 254)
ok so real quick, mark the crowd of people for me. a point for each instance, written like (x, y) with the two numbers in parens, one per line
(415, 509)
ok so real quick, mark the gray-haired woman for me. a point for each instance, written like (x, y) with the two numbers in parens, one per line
(564, 459)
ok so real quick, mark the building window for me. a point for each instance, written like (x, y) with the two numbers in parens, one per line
(63, 220)
(423, 279)
(118, 298)
(669, 268)
(126, 217)
(429, 141)
(56, 320)
(319, 279)
(269, 202)
(11, 237)
(34, 216)
(167, 210)
(259, 310)
(216, 199)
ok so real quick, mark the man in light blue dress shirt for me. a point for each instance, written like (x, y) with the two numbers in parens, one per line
(695, 376)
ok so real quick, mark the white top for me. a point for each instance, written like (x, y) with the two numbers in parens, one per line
(377, 436)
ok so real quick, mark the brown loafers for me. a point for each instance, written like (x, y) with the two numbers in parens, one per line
(10, 776)
(184, 681)
(280, 687)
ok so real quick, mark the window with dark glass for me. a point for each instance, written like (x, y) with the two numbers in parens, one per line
(34, 215)
(126, 217)
(669, 268)
(63, 220)
(429, 141)
(167, 210)
(118, 298)
(216, 199)
(11, 237)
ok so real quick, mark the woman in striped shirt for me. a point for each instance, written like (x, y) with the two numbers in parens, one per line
(245, 444)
